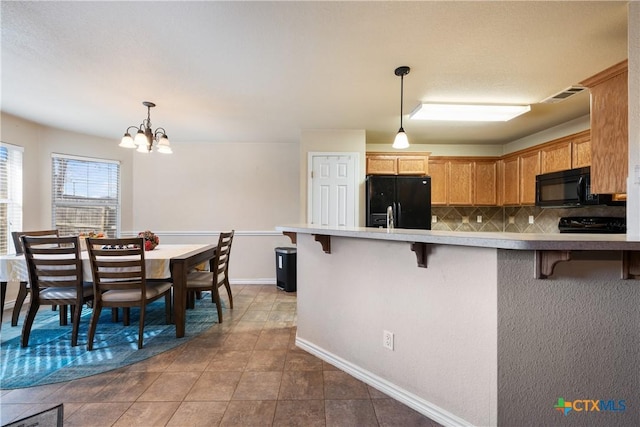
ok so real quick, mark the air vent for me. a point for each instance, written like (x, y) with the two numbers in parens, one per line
(561, 96)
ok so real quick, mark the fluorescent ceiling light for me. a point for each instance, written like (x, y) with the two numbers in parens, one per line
(468, 112)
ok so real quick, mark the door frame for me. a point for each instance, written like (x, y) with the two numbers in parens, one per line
(356, 186)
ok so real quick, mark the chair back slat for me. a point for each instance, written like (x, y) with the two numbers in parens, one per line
(122, 267)
(53, 262)
(17, 243)
(223, 251)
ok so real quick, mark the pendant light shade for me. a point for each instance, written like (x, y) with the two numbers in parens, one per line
(401, 141)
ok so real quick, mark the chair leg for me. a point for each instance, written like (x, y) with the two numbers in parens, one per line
(126, 319)
(114, 314)
(28, 322)
(22, 295)
(93, 324)
(167, 307)
(76, 311)
(228, 286)
(141, 328)
(63, 315)
(216, 298)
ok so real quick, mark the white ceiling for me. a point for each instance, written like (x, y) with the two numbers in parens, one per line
(263, 71)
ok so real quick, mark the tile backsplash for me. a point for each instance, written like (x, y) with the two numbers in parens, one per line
(512, 219)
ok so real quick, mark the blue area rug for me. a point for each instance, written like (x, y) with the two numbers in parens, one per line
(50, 357)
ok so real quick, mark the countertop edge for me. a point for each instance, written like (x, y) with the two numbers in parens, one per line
(498, 240)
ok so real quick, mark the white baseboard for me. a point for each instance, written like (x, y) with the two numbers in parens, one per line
(269, 281)
(420, 405)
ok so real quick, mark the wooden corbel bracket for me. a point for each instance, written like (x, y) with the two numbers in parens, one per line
(422, 252)
(325, 241)
(545, 262)
(291, 235)
(630, 264)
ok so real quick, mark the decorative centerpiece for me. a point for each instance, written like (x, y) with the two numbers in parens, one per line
(150, 240)
(84, 236)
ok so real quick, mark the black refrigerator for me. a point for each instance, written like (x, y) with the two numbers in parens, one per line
(408, 196)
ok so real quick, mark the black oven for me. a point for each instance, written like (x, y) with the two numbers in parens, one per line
(569, 188)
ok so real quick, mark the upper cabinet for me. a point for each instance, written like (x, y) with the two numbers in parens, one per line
(509, 180)
(609, 129)
(463, 181)
(556, 157)
(397, 163)
(581, 150)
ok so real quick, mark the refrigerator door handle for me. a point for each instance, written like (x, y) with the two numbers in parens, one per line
(399, 214)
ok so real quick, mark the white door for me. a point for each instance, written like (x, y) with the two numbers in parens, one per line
(333, 196)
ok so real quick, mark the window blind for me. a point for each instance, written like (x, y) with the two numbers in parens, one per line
(10, 195)
(85, 195)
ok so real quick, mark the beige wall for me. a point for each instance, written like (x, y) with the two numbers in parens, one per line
(204, 188)
(39, 143)
(444, 362)
(189, 196)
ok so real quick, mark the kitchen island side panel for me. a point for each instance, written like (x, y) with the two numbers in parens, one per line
(444, 317)
(574, 335)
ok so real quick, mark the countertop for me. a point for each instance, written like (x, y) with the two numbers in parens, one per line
(518, 241)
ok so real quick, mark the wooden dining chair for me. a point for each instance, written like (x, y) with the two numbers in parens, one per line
(198, 281)
(119, 280)
(24, 288)
(55, 276)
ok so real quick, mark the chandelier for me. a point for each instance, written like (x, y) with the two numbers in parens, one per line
(145, 137)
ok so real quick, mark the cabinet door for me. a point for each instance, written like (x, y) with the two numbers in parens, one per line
(609, 129)
(511, 181)
(529, 168)
(460, 183)
(486, 183)
(581, 152)
(413, 165)
(382, 165)
(438, 170)
(556, 157)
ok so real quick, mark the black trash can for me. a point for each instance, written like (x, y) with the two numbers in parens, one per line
(286, 269)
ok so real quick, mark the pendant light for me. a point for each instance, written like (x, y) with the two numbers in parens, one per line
(401, 140)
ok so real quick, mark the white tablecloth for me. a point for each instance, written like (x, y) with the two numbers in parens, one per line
(13, 268)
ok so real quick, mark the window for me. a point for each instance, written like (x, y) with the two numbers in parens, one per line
(10, 194)
(85, 195)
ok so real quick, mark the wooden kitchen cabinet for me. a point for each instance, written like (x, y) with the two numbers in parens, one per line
(609, 129)
(382, 165)
(397, 163)
(581, 150)
(510, 181)
(486, 183)
(439, 173)
(556, 157)
(529, 168)
(461, 183)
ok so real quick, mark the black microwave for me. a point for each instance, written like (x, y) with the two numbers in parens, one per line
(569, 188)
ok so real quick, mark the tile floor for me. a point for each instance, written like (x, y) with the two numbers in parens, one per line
(246, 371)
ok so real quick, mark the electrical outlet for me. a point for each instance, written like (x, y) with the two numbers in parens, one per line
(387, 340)
(434, 218)
(479, 218)
(530, 219)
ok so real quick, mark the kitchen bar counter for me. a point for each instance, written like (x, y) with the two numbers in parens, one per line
(518, 241)
(478, 337)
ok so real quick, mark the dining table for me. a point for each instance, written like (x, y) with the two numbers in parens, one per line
(165, 262)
